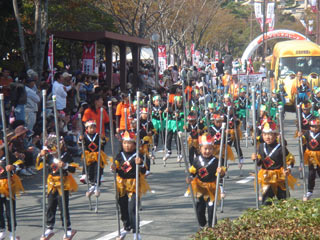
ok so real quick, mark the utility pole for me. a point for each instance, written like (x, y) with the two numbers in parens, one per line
(318, 22)
(251, 19)
(264, 30)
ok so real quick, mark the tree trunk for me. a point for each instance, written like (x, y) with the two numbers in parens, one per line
(21, 34)
(37, 34)
(43, 41)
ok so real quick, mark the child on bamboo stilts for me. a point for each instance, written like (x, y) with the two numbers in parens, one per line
(271, 176)
(54, 184)
(125, 165)
(16, 187)
(202, 178)
(91, 145)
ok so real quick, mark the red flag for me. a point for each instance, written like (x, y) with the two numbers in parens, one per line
(50, 59)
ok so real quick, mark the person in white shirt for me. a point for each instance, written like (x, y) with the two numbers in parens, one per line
(31, 107)
(60, 91)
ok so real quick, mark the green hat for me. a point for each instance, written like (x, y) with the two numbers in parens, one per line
(135, 102)
(316, 91)
(242, 90)
(263, 108)
(156, 97)
(210, 105)
(194, 108)
(177, 98)
(227, 95)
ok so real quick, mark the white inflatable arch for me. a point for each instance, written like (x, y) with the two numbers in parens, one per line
(281, 33)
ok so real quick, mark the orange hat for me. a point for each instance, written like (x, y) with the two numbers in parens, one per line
(144, 110)
(217, 116)
(315, 122)
(306, 105)
(269, 127)
(205, 139)
(192, 116)
(129, 136)
(90, 123)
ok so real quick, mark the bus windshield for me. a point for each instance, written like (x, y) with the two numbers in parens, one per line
(306, 65)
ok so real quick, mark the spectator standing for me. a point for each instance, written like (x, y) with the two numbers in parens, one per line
(60, 91)
(31, 107)
(175, 74)
(228, 59)
(93, 113)
(219, 67)
(5, 81)
(18, 97)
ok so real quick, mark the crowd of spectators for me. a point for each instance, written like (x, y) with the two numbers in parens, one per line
(75, 93)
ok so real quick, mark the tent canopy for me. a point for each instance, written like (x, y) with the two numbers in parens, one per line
(145, 54)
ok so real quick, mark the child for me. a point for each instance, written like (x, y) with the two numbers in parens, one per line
(306, 116)
(275, 101)
(91, 145)
(203, 179)
(271, 176)
(147, 130)
(22, 153)
(125, 166)
(216, 133)
(194, 129)
(157, 121)
(16, 187)
(175, 124)
(234, 128)
(121, 121)
(303, 90)
(311, 139)
(53, 181)
(240, 104)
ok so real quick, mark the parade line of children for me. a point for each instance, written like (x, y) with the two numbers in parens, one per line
(202, 122)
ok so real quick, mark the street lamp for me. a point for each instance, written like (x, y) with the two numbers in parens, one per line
(155, 39)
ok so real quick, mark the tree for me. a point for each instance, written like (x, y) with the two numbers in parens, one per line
(35, 17)
(136, 17)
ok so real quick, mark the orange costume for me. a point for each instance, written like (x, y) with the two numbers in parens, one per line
(120, 112)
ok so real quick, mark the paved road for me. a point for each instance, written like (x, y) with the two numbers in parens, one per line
(171, 213)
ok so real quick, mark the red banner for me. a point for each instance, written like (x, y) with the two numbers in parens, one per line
(162, 58)
(192, 53)
(313, 4)
(217, 55)
(89, 57)
(50, 59)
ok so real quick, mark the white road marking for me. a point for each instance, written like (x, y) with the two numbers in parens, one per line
(115, 234)
(247, 179)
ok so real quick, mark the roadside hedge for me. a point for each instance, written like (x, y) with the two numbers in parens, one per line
(290, 219)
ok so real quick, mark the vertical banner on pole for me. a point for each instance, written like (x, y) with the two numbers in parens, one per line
(171, 56)
(50, 59)
(259, 15)
(216, 54)
(89, 57)
(187, 51)
(310, 26)
(313, 4)
(197, 56)
(270, 16)
(192, 54)
(162, 58)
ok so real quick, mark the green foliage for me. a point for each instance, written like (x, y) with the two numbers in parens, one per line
(239, 10)
(71, 15)
(290, 219)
